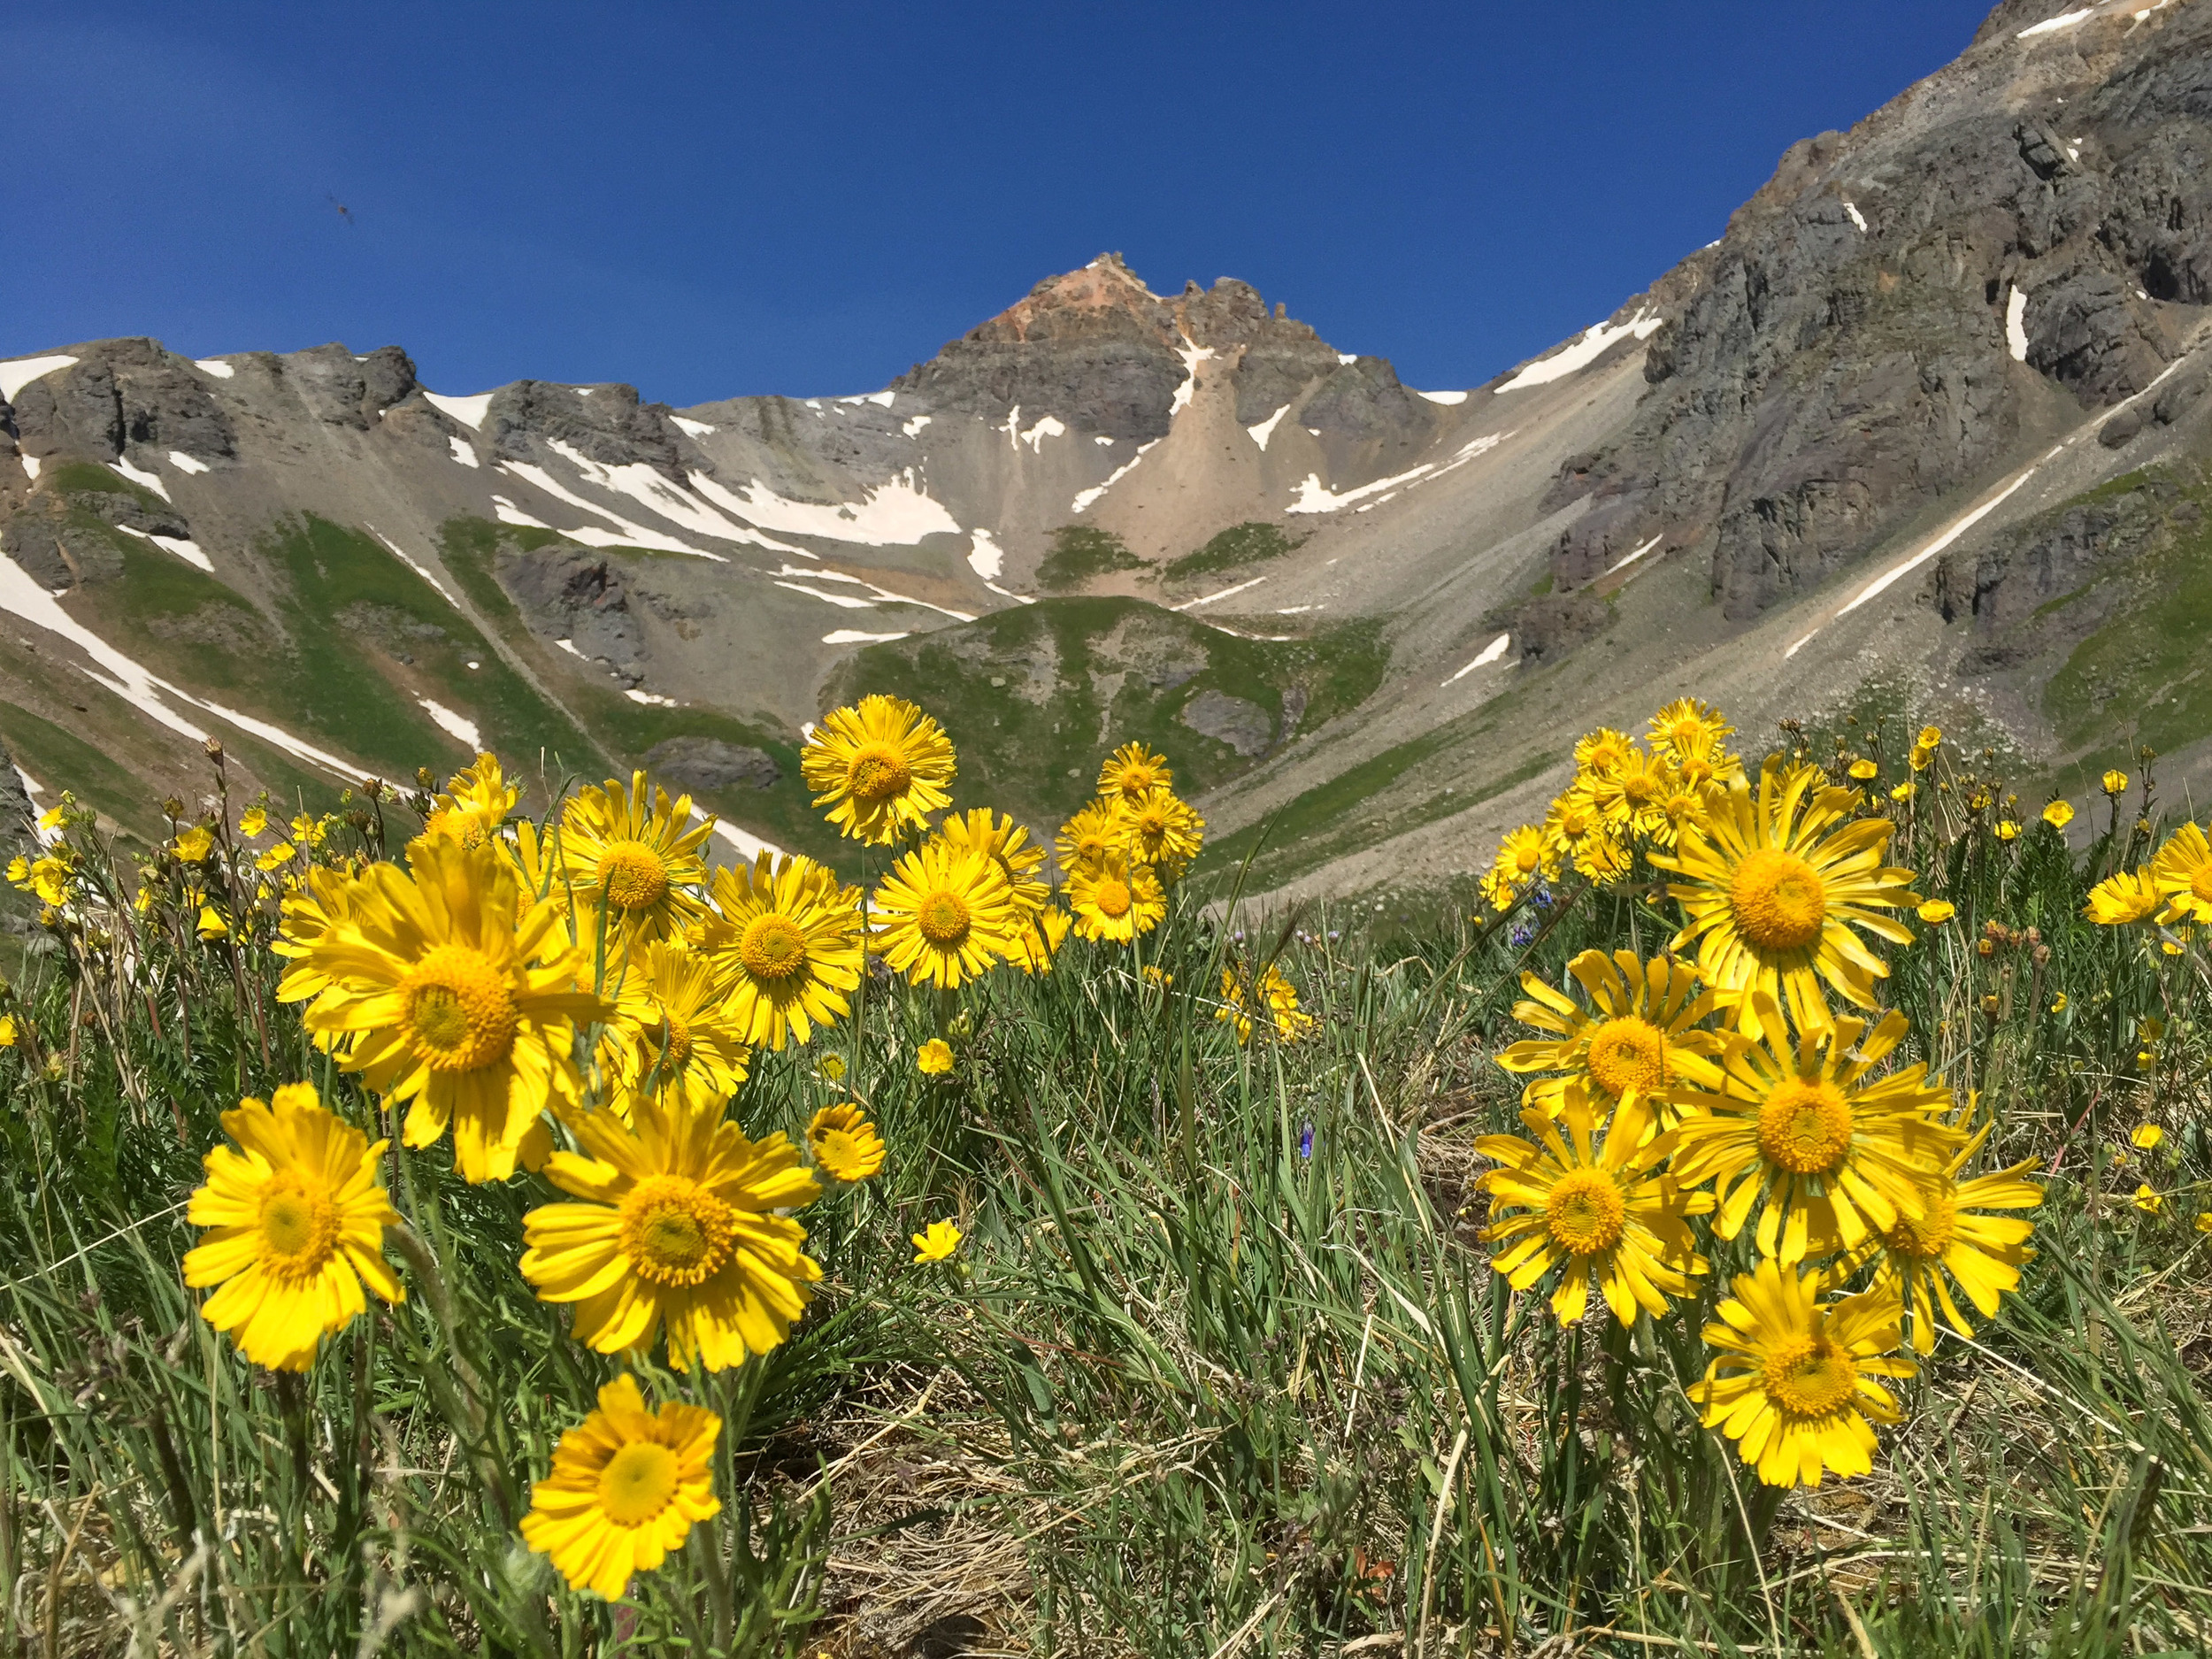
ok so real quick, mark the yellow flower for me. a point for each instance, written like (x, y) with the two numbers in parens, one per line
(1774, 883)
(252, 821)
(933, 1058)
(1837, 1158)
(786, 944)
(1132, 772)
(2147, 1201)
(1598, 1211)
(1792, 1381)
(1983, 1253)
(1280, 997)
(310, 832)
(2115, 782)
(1688, 728)
(676, 1033)
(936, 1242)
(1155, 976)
(2058, 815)
(1604, 751)
(2182, 872)
(845, 1144)
(878, 766)
(1930, 736)
(277, 857)
(1116, 900)
(19, 871)
(1020, 860)
(1921, 759)
(210, 923)
(2128, 896)
(2147, 1136)
(1864, 770)
(944, 915)
(1523, 855)
(477, 801)
(1161, 831)
(1087, 838)
(450, 1005)
(194, 844)
(625, 1488)
(1569, 823)
(1040, 939)
(295, 1225)
(2058, 1003)
(1935, 912)
(2204, 1221)
(679, 1226)
(7, 1031)
(631, 851)
(832, 1066)
(1641, 1040)
(1632, 797)
(1903, 791)
(2008, 830)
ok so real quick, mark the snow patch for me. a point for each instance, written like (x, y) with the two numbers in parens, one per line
(1583, 352)
(1347, 357)
(18, 374)
(695, 428)
(1266, 430)
(464, 452)
(1958, 528)
(422, 571)
(1193, 605)
(146, 481)
(985, 557)
(854, 636)
(215, 366)
(1313, 497)
(184, 463)
(454, 725)
(189, 551)
(746, 845)
(843, 602)
(913, 428)
(895, 514)
(1450, 400)
(627, 534)
(2052, 26)
(882, 400)
(507, 512)
(569, 646)
(1085, 497)
(2017, 325)
(30, 466)
(1857, 217)
(1101, 438)
(468, 411)
(1489, 654)
(651, 699)
(1638, 554)
(1047, 428)
(1192, 356)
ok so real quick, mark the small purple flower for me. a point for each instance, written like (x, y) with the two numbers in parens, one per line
(1541, 896)
(1521, 934)
(1305, 1142)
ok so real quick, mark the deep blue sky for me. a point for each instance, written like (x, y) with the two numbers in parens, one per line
(713, 199)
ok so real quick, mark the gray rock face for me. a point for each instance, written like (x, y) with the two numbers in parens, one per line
(1244, 727)
(348, 391)
(605, 424)
(708, 765)
(1363, 400)
(121, 394)
(59, 554)
(15, 809)
(570, 593)
(1822, 383)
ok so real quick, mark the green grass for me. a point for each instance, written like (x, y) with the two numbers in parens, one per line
(1240, 545)
(80, 478)
(60, 759)
(1107, 665)
(1080, 552)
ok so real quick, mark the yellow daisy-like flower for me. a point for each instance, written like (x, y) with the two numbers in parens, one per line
(625, 1488)
(933, 1058)
(679, 1227)
(1040, 939)
(1604, 752)
(450, 1005)
(634, 854)
(1161, 831)
(1571, 823)
(1116, 900)
(1950, 1242)
(1935, 912)
(936, 1242)
(1524, 856)
(677, 1031)
(1132, 772)
(878, 766)
(1686, 726)
(1632, 797)
(2129, 896)
(252, 821)
(477, 799)
(846, 1146)
(1020, 860)
(1276, 993)
(1642, 1041)
(1839, 1158)
(786, 944)
(944, 915)
(1792, 1380)
(1774, 883)
(2058, 814)
(2182, 872)
(1087, 838)
(296, 1221)
(1598, 1211)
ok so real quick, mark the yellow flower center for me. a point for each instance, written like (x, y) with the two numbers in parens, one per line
(1684, 731)
(1811, 1377)
(675, 1232)
(1627, 1053)
(464, 824)
(1112, 898)
(1640, 789)
(1929, 1237)
(676, 1046)
(2200, 882)
(458, 1009)
(1584, 1212)
(632, 876)
(1606, 759)
(1805, 1126)
(942, 918)
(773, 947)
(877, 773)
(638, 1483)
(1779, 900)
(837, 1151)
(299, 1228)
(1526, 857)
